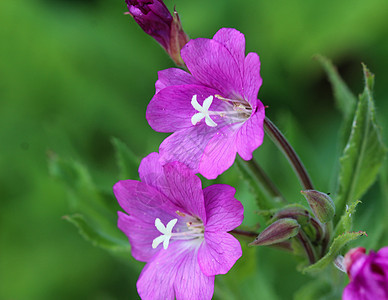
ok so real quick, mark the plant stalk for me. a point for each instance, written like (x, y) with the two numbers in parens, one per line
(282, 143)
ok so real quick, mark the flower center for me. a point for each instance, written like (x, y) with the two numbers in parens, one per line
(195, 229)
(236, 110)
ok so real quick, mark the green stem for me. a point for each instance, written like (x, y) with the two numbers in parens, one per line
(282, 143)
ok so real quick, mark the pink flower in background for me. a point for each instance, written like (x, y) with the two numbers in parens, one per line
(368, 274)
(179, 229)
(213, 111)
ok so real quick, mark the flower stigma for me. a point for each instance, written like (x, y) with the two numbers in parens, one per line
(194, 229)
(203, 111)
(236, 110)
(166, 233)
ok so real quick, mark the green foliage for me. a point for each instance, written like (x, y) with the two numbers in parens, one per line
(127, 161)
(314, 290)
(338, 243)
(97, 238)
(345, 100)
(96, 216)
(260, 190)
(363, 153)
(346, 221)
(76, 73)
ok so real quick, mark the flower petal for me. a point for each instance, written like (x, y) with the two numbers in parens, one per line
(383, 252)
(251, 134)
(352, 293)
(218, 253)
(140, 236)
(143, 201)
(175, 273)
(144, 204)
(171, 108)
(219, 153)
(174, 76)
(234, 41)
(185, 189)
(224, 212)
(151, 173)
(252, 80)
(187, 145)
(211, 63)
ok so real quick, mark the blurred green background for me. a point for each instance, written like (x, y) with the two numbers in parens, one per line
(75, 73)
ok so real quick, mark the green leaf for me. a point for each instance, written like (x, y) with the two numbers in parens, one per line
(84, 194)
(97, 206)
(266, 194)
(127, 161)
(247, 279)
(338, 243)
(73, 174)
(345, 100)
(345, 223)
(313, 290)
(95, 237)
(364, 152)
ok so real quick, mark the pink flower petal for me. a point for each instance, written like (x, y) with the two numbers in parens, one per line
(171, 109)
(234, 41)
(140, 235)
(224, 212)
(220, 152)
(144, 204)
(174, 76)
(251, 134)
(252, 80)
(218, 253)
(214, 66)
(187, 145)
(151, 172)
(175, 273)
(185, 189)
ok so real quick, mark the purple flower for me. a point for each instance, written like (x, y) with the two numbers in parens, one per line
(156, 20)
(214, 111)
(368, 274)
(179, 229)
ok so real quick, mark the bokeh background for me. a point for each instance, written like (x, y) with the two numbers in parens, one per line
(75, 73)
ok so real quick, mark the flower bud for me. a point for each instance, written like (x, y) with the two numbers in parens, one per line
(156, 20)
(279, 231)
(352, 256)
(296, 212)
(321, 205)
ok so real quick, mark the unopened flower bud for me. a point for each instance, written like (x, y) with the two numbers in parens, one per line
(156, 20)
(296, 212)
(178, 38)
(279, 231)
(321, 205)
(352, 256)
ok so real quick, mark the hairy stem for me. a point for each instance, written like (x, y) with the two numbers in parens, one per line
(282, 143)
(308, 247)
(244, 233)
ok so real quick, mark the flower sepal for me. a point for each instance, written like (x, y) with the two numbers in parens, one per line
(321, 205)
(279, 231)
